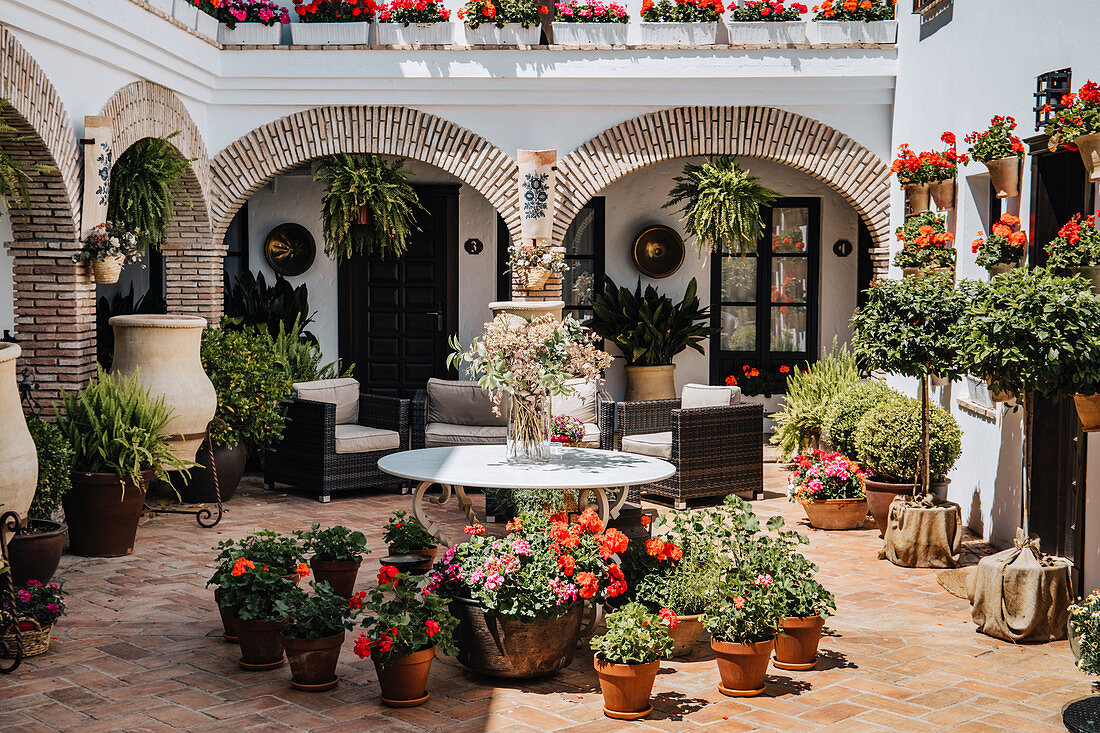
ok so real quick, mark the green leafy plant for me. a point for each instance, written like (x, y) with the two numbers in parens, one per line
(1077, 244)
(800, 593)
(926, 243)
(405, 618)
(650, 329)
(251, 302)
(116, 427)
(363, 188)
(44, 603)
(809, 394)
(681, 566)
(301, 357)
(1079, 115)
(746, 613)
(888, 440)
(315, 615)
(251, 385)
(282, 553)
(996, 141)
(333, 11)
(635, 635)
(55, 462)
(1003, 246)
(722, 205)
(14, 179)
(847, 408)
(334, 543)
(255, 592)
(143, 189)
(478, 12)
(404, 533)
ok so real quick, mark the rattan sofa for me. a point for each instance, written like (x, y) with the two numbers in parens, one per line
(716, 450)
(334, 437)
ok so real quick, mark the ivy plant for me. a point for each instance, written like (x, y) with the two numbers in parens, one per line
(334, 543)
(55, 463)
(145, 181)
(315, 615)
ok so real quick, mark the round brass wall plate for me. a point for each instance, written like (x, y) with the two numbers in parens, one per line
(289, 249)
(658, 251)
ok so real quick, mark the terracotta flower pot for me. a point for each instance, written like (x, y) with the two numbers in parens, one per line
(796, 647)
(837, 513)
(1004, 174)
(943, 193)
(230, 467)
(404, 681)
(1089, 148)
(686, 633)
(1088, 410)
(1002, 268)
(313, 662)
(18, 455)
(626, 688)
(917, 196)
(228, 632)
(881, 493)
(102, 511)
(261, 644)
(1000, 395)
(742, 666)
(650, 383)
(340, 574)
(496, 645)
(35, 551)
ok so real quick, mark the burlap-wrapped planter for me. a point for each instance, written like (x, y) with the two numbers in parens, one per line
(926, 533)
(1020, 594)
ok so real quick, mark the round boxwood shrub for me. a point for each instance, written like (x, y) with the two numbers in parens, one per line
(888, 440)
(846, 410)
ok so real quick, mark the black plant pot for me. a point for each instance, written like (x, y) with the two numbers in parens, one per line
(230, 468)
(36, 554)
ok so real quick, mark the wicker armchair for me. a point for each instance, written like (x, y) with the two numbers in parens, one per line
(317, 457)
(716, 450)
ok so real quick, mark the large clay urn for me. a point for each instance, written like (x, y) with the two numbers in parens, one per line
(17, 453)
(164, 349)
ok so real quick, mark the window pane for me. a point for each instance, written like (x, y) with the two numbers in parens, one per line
(789, 230)
(739, 279)
(788, 328)
(578, 282)
(579, 238)
(790, 279)
(739, 328)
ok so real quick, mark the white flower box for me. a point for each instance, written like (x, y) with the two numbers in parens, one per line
(512, 34)
(330, 34)
(763, 32)
(853, 31)
(164, 6)
(679, 34)
(590, 34)
(207, 25)
(185, 12)
(416, 34)
(251, 34)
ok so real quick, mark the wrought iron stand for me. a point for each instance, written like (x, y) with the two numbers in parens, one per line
(9, 522)
(205, 517)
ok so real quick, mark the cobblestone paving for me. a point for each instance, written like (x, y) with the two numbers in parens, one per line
(141, 651)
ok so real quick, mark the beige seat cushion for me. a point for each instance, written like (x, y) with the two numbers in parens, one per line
(581, 403)
(462, 403)
(439, 435)
(591, 437)
(658, 445)
(705, 395)
(344, 393)
(361, 439)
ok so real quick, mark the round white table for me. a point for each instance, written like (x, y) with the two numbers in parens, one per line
(586, 470)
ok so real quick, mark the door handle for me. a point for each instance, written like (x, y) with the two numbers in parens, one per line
(438, 319)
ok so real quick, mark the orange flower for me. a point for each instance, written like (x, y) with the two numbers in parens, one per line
(926, 230)
(1010, 219)
(241, 566)
(1018, 239)
(866, 4)
(302, 570)
(588, 584)
(1000, 230)
(590, 521)
(731, 381)
(646, 520)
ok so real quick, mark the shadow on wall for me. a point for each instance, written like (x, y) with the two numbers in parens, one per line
(1005, 507)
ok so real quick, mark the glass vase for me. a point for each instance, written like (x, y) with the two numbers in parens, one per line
(529, 429)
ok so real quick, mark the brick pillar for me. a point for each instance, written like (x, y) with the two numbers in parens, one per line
(54, 316)
(194, 281)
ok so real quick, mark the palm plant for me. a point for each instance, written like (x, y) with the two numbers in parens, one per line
(14, 181)
(721, 205)
(369, 207)
(144, 183)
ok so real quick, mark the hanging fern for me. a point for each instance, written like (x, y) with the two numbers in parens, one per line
(14, 181)
(721, 205)
(356, 181)
(142, 194)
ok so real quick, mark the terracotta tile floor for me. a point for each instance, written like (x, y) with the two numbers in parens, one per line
(141, 650)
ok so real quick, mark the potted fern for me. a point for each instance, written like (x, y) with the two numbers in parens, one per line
(369, 207)
(145, 181)
(810, 393)
(650, 330)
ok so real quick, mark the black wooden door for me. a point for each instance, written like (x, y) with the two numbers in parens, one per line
(396, 314)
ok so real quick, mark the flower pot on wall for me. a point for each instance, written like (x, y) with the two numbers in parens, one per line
(943, 193)
(1089, 148)
(102, 511)
(917, 197)
(765, 33)
(1088, 410)
(679, 34)
(796, 647)
(1004, 175)
(404, 681)
(313, 662)
(1092, 274)
(837, 513)
(590, 34)
(1002, 268)
(626, 688)
(650, 383)
(107, 270)
(686, 634)
(164, 349)
(498, 646)
(251, 34)
(416, 34)
(18, 455)
(512, 34)
(35, 554)
(742, 666)
(330, 34)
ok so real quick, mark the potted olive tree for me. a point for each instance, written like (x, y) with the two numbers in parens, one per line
(314, 625)
(337, 554)
(35, 549)
(628, 656)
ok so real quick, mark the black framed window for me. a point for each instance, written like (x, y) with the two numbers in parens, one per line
(1049, 90)
(765, 304)
(236, 248)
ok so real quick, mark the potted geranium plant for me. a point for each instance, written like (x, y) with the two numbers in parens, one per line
(253, 594)
(830, 488)
(1076, 249)
(1004, 248)
(628, 655)
(405, 536)
(337, 554)
(108, 248)
(532, 264)
(752, 381)
(854, 21)
(518, 598)
(251, 22)
(590, 22)
(926, 245)
(36, 608)
(742, 625)
(928, 174)
(805, 604)
(414, 23)
(681, 22)
(313, 627)
(331, 22)
(1077, 126)
(1001, 152)
(767, 22)
(407, 623)
(35, 548)
(501, 23)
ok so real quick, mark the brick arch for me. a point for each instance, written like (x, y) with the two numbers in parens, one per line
(251, 161)
(799, 142)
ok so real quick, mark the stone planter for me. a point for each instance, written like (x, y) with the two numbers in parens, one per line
(35, 551)
(18, 456)
(498, 646)
(330, 34)
(881, 493)
(853, 31)
(428, 553)
(251, 34)
(650, 383)
(796, 647)
(686, 634)
(164, 6)
(512, 34)
(102, 511)
(261, 644)
(416, 34)
(917, 197)
(679, 34)
(185, 12)
(1089, 148)
(943, 193)
(165, 348)
(742, 666)
(313, 662)
(229, 464)
(837, 513)
(1004, 175)
(626, 688)
(340, 574)
(590, 34)
(1088, 410)
(404, 681)
(770, 34)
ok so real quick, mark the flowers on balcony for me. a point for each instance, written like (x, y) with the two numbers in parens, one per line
(499, 13)
(682, 11)
(768, 11)
(590, 11)
(232, 12)
(413, 11)
(334, 11)
(864, 10)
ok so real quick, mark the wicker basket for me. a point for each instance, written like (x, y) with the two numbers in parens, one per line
(107, 270)
(34, 642)
(534, 278)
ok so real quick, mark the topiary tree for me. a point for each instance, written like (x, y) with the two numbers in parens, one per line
(848, 407)
(889, 440)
